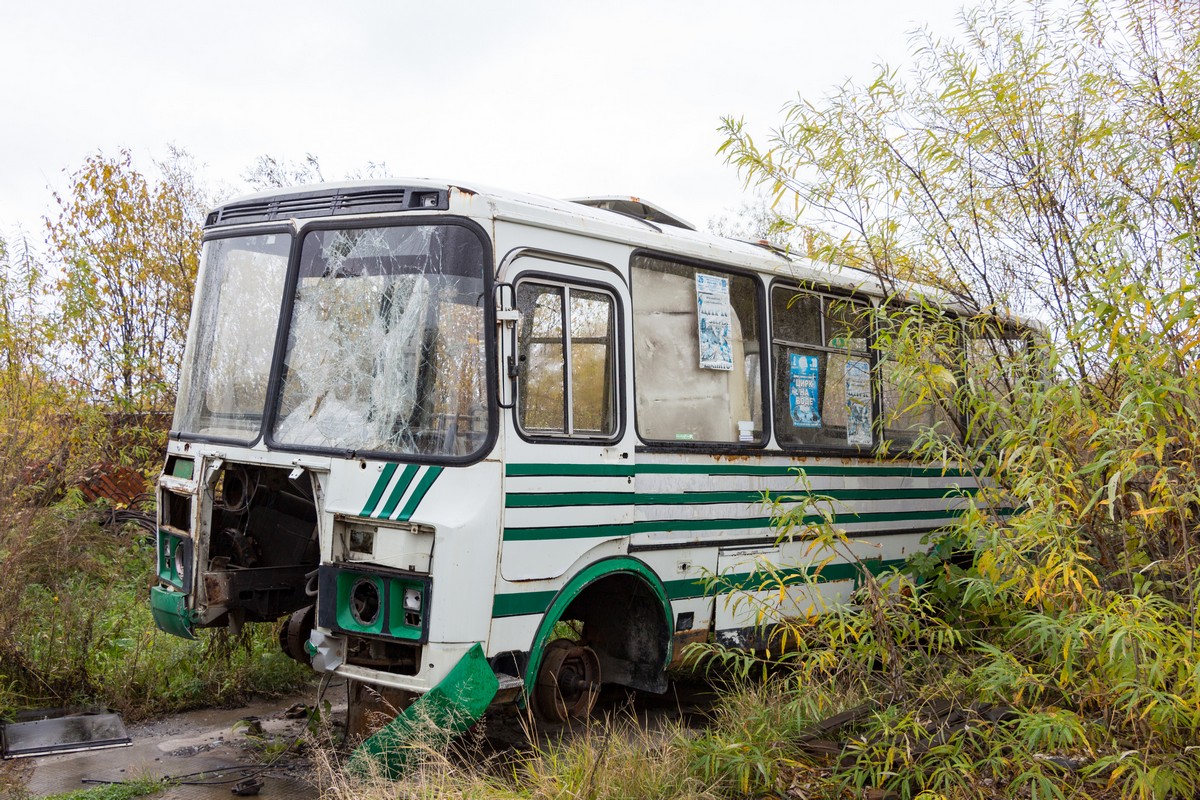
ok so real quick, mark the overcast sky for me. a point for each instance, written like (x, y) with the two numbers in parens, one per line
(557, 98)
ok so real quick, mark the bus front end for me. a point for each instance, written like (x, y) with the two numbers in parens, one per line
(329, 461)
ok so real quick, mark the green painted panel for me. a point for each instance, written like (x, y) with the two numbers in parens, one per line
(381, 485)
(170, 612)
(401, 487)
(419, 493)
(449, 708)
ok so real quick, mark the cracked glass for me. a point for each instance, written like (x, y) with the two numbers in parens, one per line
(227, 363)
(385, 347)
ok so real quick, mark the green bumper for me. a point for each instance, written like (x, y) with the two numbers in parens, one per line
(444, 711)
(170, 612)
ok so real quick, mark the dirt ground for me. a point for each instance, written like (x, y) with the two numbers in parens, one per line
(211, 750)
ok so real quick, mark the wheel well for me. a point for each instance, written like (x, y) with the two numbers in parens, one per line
(621, 618)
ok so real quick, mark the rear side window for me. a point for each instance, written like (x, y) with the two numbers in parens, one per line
(823, 395)
(920, 362)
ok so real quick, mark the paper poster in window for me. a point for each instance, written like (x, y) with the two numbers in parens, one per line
(802, 390)
(858, 402)
(712, 310)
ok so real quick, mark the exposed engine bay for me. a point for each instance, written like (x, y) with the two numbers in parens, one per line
(263, 549)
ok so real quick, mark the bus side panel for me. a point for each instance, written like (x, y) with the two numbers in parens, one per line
(716, 513)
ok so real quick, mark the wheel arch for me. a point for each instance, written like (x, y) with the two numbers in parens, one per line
(586, 586)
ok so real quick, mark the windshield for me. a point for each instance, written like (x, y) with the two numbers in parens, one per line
(385, 347)
(223, 382)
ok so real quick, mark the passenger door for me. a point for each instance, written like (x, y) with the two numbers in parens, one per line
(569, 471)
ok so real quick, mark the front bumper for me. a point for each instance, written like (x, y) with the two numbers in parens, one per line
(170, 612)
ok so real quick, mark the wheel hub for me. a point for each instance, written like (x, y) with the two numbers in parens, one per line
(568, 681)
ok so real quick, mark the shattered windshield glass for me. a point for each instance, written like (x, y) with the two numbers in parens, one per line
(223, 382)
(385, 349)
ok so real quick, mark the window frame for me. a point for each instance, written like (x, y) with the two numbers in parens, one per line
(616, 369)
(487, 265)
(903, 447)
(824, 294)
(293, 256)
(763, 337)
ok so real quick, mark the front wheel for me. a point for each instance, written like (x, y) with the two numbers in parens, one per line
(568, 681)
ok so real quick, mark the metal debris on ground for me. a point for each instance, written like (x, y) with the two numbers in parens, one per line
(247, 788)
(53, 731)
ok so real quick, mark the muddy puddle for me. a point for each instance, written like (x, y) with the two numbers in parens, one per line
(208, 752)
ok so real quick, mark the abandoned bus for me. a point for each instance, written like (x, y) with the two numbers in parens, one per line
(426, 423)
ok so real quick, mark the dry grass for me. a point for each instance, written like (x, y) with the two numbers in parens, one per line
(615, 757)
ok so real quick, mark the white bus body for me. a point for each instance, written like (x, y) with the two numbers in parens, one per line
(428, 422)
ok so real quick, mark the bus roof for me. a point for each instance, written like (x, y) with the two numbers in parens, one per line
(626, 219)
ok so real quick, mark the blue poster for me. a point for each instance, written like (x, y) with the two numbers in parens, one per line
(713, 313)
(802, 391)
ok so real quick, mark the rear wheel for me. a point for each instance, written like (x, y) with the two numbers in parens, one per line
(568, 681)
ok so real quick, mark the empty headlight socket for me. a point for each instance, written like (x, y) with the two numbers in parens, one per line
(374, 601)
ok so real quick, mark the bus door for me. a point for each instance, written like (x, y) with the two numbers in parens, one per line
(569, 479)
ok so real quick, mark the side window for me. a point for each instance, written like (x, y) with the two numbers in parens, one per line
(920, 362)
(998, 358)
(822, 370)
(696, 353)
(566, 351)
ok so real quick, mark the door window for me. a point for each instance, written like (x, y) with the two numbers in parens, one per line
(566, 352)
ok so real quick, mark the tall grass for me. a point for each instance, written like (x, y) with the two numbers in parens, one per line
(612, 758)
(75, 627)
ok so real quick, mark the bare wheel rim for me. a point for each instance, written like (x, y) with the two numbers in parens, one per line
(568, 681)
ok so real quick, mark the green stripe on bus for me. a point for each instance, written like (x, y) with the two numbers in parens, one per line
(556, 470)
(380, 486)
(673, 525)
(813, 470)
(708, 498)
(401, 487)
(628, 528)
(549, 499)
(522, 603)
(419, 493)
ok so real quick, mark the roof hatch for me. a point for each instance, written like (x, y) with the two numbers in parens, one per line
(635, 207)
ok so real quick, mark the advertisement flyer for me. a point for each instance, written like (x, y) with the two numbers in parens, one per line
(712, 310)
(858, 402)
(802, 392)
